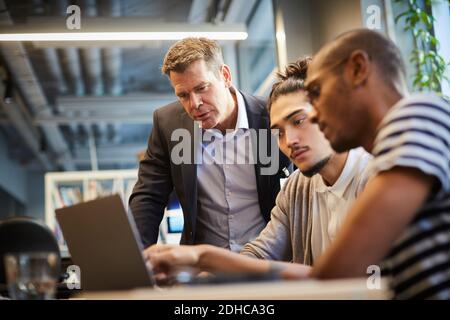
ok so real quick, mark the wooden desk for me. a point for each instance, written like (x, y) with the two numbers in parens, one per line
(279, 290)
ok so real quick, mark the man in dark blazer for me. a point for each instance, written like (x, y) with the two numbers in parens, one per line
(224, 205)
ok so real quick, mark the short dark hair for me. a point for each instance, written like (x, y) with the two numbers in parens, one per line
(382, 51)
(292, 80)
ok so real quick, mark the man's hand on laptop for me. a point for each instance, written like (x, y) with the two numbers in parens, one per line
(291, 271)
(166, 260)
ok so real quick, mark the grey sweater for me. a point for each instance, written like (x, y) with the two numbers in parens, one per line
(287, 237)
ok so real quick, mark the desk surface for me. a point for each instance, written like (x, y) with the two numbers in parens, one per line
(280, 290)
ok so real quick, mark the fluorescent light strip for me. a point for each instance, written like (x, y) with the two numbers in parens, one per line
(120, 36)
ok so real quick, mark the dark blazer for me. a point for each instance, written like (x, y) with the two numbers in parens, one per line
(158, 175)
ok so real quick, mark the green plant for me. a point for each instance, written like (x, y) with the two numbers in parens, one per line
(429, 65)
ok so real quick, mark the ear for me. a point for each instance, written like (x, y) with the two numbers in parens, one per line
(226, 73)
(358, 68)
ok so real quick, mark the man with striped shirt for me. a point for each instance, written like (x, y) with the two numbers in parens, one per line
(401, 221)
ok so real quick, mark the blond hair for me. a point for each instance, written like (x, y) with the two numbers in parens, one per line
(186, 51)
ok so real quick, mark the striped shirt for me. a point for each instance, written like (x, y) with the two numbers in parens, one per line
(416, 133)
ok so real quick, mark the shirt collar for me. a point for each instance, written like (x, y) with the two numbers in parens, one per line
(345, 178)
(242, 119)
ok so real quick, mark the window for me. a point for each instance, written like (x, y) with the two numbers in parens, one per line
(441, 13)
(257, 55)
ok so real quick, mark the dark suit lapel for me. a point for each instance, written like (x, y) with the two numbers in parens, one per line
(189, 171)
(257, 119)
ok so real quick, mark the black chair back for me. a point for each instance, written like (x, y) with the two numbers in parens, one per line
(25, 235)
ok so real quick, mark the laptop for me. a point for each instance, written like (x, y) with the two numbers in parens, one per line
(104, 242)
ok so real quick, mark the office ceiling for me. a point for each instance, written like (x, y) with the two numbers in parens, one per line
(85, 107)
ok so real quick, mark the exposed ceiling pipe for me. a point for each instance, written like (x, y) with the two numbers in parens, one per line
(86, 119)
(12, 110)
(199, 12)
(135, 103)
(69, 62)
(72, 65)
(221, 8)
(54, 68)
(110, 154)
(91, 57)
(112, 57)
(51, 57)
(20, 67)
(93, 152)
(112, 64)
(69, 57)
(92, 62)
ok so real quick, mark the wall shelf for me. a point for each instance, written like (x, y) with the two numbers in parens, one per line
(69, 188)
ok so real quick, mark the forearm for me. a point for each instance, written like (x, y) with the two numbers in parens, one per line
(377, 219)
(214, 259)
(271, 244)
(274, 242)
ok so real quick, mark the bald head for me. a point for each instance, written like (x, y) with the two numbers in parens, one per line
(352, 82)
(380, 50)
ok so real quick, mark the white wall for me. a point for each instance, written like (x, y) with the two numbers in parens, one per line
(309, 24)
(296, 16)
(331, 18)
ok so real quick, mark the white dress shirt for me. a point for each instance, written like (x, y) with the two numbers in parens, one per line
(330, 204)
